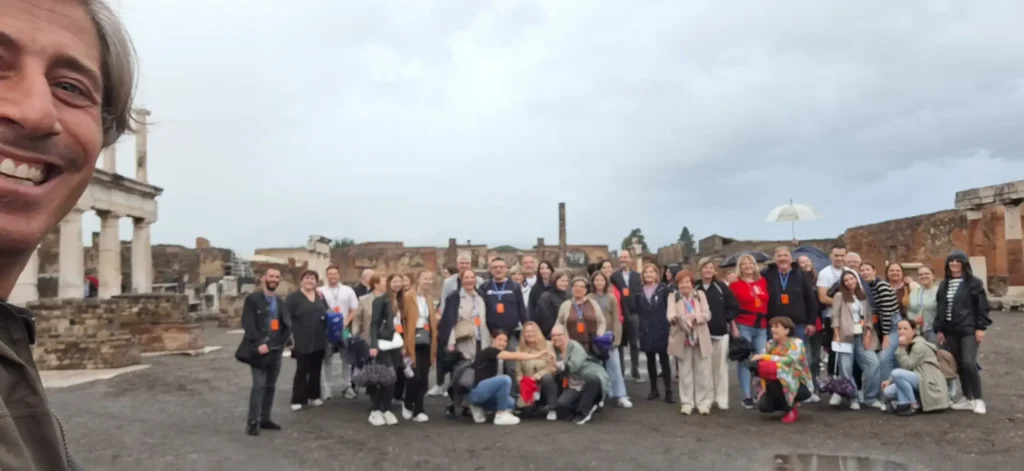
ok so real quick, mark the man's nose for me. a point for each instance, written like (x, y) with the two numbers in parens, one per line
(27, 101)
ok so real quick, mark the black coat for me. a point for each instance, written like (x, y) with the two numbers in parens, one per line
(539, 288)
(449, 317)
(653, 317)
(723, 304)
(635, 286)
(547, 309)
(802, 308)
(382, 322)
(970, 303)
(309, 322)
(256, 321)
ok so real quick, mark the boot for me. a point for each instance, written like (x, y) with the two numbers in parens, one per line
(252, 428)
(790, 416)
(668, 388)
(267, 424)
(654, 392)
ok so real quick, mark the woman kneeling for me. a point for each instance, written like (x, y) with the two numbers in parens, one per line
(785, 375)
(918, 374)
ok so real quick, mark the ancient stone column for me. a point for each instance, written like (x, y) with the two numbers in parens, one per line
(141, 133)
(562, 243)
(109, 267)
(26, 289)
(976, 246)
(71, 258)
(142, 258)
(110, 159)
(1014, 248)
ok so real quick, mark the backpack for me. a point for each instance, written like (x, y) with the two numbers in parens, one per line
(335, 328)
(947, 364)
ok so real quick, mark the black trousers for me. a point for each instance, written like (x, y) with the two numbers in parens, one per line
(306, 384)
(548, 391)
(965, 351)
(580, 402)
(630, 334)
(264, 385)
(666, 370)
(381, 396)
(416, 387)
(774, 400)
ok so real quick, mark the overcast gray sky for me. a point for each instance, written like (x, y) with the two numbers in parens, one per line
(423, 120)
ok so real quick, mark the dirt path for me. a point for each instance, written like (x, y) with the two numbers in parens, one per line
(188, 414)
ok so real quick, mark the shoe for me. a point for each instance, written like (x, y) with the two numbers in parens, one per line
(449, 413)
(466, 412)
(435, 391)
(406, 413)
(877, 405)
(963, 404)
(748, 403)
(269, 425)
(625, 403)
(479, 415)
(445, 393)
(505, 418)
(854, 405)
(814, 399)
(582, 419)
(979, 407)
(722, 405)
(904, 410)
(376, 419)
(552, 415)
(296, 407)
(790, 416)
(669, 398)
(653, 395)
(704, 411)
(686, 410)
(350, 394)
(639, 379)
(317, 402)
(421, 418)
(252, 429)
(835, 401)
(389, 418)
(600, 405)
(327, 397)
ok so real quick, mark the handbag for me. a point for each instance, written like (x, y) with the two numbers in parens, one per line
(395, 343)
(422, 337)
(464, 330)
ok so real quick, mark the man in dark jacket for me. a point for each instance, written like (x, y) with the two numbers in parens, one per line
(267, 325)
(629, 283)
(506, 310)
(791, 293)
(961, 319)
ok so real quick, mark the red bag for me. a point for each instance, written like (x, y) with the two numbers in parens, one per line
(527, 389)
(767, 370)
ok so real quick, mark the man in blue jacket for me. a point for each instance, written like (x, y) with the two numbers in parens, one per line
(506, 310)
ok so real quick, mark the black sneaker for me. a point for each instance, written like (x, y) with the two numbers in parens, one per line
(252, 428)
(582, 419)
(449, 413)
(904, 410)
(653, 395)
(269, 425)
(638, 379)
(748, 403)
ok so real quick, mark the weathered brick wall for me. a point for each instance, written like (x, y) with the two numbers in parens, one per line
(75, 318)
(81, 334)
(926, 239)
(150, 308)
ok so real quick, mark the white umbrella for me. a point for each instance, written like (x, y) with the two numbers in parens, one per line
(792, 213)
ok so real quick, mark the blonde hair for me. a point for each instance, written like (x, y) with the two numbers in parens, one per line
(657, 271)
(739, 262)
(542, 343)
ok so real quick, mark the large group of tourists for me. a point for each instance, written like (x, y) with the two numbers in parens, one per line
(543, 343)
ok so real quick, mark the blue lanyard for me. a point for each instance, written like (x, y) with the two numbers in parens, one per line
(579, 311)
(784, 280)
(497, 293)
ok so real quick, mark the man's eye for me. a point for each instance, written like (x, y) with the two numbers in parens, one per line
(70, 88)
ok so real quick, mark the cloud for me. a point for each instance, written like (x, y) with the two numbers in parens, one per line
(419, 121)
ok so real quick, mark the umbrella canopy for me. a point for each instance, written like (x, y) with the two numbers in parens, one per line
(792, 213)
(730, 261)
(819, 258)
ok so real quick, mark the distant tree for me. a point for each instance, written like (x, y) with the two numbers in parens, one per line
(342, 242)
(686, 238)
(627, 243)
(505, 248)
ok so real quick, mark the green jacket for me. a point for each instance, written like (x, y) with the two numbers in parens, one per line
(921, 359)
(580, 366)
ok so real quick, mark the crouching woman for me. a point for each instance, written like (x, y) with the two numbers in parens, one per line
(785, 374)
(918, 375)
(491, 390)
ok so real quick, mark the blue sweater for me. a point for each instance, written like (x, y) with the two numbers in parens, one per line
(506, 297)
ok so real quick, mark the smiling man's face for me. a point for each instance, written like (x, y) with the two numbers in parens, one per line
(51, 132)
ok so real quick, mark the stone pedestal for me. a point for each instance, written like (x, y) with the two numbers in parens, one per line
(110, 255)
(231, 312)
(71, 258)
(142, 258)
(26, 289)
(159, 322)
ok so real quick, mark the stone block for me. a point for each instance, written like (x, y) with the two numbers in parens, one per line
(117, 351)
(167, 337)
(151, 308)
(230, 316)
(74, 319)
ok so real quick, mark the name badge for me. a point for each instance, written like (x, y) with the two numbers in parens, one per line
(784, 298)
(337, 308)
(275, 325)
(581, 328)
(476, 321)
(625, 291)
(501, 308)
(757, 302)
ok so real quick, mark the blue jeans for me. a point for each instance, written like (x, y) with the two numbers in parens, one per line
(614, 369)
(801, 333)
(887, 357)
(868, 361)
(757, 338)
(905, 385)
(492, 394)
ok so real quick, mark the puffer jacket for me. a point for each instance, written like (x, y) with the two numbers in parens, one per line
(970, 303)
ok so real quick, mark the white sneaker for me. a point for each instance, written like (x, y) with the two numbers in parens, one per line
(877, 405)
(854, 405)
(421, 418)
(317, 402)
(390, 419)
(600, 405)
(979, 407)
(479, 415)
(814, 399)
(552, 415)
(435, 391)
(376, 418)
(350, 393)
(686, 410)
(963, 404)
(327, 397)
(505, 418)
(296, 407)
(835, 400)
(406, 413)
(625, 403)
(722, 405)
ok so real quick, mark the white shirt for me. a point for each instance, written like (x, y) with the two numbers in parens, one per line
(421, 320)
(340, 298)
(527, 286)
(625, 277)
(827, 277)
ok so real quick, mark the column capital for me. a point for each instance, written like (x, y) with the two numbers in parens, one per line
(148, 221)
(973, 214)
(107, 214)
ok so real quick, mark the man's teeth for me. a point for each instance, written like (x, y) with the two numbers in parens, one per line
(32, 173)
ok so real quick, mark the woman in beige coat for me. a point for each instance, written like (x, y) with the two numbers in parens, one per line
(689, 340)
(918, 374)
(359, 322)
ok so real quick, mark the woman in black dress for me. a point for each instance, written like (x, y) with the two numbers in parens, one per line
(308, 309)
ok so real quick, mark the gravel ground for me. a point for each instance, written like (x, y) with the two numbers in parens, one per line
(188, 414)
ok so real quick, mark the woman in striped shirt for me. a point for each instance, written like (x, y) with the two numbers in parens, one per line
(886, 316)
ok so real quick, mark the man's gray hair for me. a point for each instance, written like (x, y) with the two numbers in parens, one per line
(118, 70)
(558, 328)
(853, 254)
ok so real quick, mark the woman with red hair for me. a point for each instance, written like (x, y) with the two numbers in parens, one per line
(690, 342)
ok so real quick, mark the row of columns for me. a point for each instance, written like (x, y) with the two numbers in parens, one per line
(141, 134)
(72, 256)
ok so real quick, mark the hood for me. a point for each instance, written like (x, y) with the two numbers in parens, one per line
(963, 259)
(919, 340)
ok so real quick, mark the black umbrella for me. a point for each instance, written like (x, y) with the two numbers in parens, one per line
(759, 257)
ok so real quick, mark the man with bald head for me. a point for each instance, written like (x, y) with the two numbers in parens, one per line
(364, 283)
